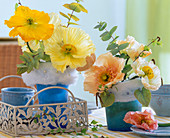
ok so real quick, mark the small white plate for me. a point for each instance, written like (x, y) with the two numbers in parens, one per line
(160, 132)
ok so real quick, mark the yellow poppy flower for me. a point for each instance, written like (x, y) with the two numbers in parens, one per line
(69, 47)
(149, 72)
(34, 44)
(30, 24)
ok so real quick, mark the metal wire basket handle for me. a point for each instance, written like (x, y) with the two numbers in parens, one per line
(16, 76)
(51, 88)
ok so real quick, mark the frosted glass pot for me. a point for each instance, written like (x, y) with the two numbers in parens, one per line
(125, 101)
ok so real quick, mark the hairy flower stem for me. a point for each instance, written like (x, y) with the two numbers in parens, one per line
(158, 39)
(29, 48)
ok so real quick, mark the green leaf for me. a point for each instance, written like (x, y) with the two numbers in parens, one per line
(21, 70)
(127, 68)
(67, 6)
(94, 129)
(103, 26)
(74, 17)
(73, 23)
(64, 15)
(16, 6)
(36, 63)
(123, 55)
(114, 51)
(107, 99)
(100, 125)
(24, 58)
(97, 26)
(103, 34)
(93, 122)
(112, 46)
(123, 46)
(41, 53)
(52, 131)
(84, 131)
(113, 30)
(75, 7)
(143, 96)
(77, 124)
(22, 65)
(35, 121)
(82, 8)
(146, 48)
(95, 136)
(106, 37)
(46, 58)
(53, 119)
(58, 130)
(100, 86)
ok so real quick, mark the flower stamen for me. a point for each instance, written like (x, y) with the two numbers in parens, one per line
(148, 71)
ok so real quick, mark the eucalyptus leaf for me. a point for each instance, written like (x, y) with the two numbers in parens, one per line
(113, 30)
(64, 15)
(106, 37)
(75, 7)
(75, 18)
(67, 6)
(123, 46)
(103, 34)
(112, 46)
(114, 51)
(107, 99)
(103, 26)
(82, 8)
(97, 26)
(123, 55)
(72, 23)
(127, 68)
(143, 96)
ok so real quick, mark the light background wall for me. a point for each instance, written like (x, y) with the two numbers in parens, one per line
(111, 11)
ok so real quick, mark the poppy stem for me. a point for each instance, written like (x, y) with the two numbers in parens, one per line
(29, 47)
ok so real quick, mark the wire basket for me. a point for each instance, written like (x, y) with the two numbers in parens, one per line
(42, 119)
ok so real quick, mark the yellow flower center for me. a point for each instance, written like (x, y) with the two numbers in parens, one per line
(148, 71)
(30, 21)
(105, 77)
(68, 49)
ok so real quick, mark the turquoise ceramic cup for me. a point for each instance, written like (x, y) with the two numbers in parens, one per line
(116, 113)
(17, 96)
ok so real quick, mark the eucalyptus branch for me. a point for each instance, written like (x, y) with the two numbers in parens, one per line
(29, 47)
(111, 35)
(71, 16)
(158, 39)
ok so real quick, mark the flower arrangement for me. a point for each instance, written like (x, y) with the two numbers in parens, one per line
(125, 61)
(45, 39)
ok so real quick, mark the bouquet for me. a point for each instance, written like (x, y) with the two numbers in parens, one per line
(124, 61)
(44, 39)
